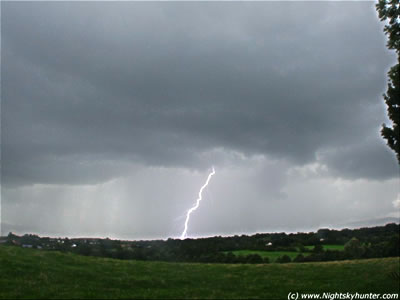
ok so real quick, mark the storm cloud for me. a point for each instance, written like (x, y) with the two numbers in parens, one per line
(94, 92)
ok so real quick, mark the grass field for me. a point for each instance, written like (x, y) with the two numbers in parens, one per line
(30, 273)
(272, 255)
(328, 247)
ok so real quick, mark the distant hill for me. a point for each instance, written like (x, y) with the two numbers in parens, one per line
(20, 229)
(369, 223)
(39, 274)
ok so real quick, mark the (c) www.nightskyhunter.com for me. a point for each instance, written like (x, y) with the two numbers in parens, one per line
(334, 296)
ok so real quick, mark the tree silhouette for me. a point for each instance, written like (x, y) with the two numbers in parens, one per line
(389, 10)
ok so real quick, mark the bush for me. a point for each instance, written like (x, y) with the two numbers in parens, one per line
(299, 258)
(284, 259)
(318, 248)
(254, 259)
(353, 248)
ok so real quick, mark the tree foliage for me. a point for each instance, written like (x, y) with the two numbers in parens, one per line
(381, 241)
(354, 248)
(389, 10)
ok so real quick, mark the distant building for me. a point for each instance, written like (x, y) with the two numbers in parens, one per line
(269, 244)
(26, 246)
(14, 242)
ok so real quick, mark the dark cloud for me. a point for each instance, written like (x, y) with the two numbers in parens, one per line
(365, 159)
(88, 89)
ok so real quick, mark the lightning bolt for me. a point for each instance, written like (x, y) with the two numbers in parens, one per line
(197, 204)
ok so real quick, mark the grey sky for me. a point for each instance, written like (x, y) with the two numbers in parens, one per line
(112, 114)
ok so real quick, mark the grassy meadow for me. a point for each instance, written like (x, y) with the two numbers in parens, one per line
(328, 247)
(30, 273)
(274, 255)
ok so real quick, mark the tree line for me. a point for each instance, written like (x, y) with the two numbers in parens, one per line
(381, 241)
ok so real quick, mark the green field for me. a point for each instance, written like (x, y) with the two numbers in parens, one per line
(328, 247)
(272, 255)
(30, 273)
